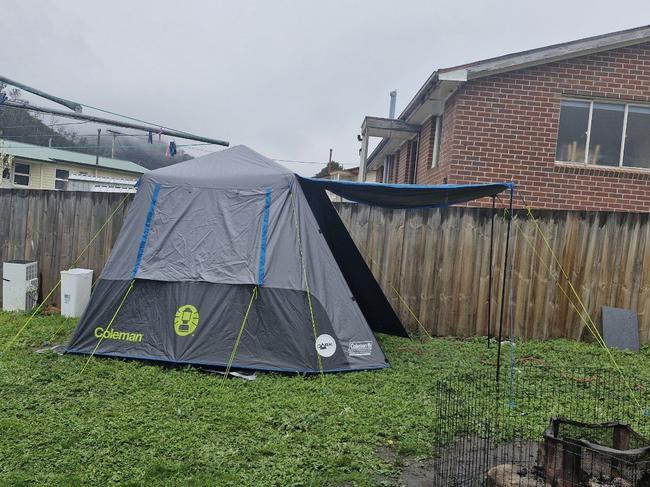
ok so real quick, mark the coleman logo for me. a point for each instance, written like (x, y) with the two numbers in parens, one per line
(124, 336)
(186, 320)
(360, 348)
(325, 345)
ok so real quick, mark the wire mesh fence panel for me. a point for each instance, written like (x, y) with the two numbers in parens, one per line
(542, 426)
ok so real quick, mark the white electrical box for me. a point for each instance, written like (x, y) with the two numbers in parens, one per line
(19, 285)
(75, 291)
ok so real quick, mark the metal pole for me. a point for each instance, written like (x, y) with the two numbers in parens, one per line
(114, 133)
(363, 155)
(489, 333)
(99, 134)
(116, 123)
(61, 101)
(503, 287)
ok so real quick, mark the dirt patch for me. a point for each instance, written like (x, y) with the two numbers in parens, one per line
(464, 462)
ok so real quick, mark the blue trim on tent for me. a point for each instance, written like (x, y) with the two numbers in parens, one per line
(145, 232)
(263, 239)
(220, 365)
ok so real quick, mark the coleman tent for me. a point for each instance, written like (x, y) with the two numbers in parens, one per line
(232, 260)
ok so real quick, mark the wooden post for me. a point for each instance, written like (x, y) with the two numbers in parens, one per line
(621, 442)
(571, 471)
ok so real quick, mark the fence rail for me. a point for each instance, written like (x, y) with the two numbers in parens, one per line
(437, 259)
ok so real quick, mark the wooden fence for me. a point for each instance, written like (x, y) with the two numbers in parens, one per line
(437, 260)
(53, 227)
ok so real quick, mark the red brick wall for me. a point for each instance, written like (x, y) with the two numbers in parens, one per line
(379, 175)
(436, 175)
(506, 126)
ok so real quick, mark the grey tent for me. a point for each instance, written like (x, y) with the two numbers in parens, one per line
(231, 259)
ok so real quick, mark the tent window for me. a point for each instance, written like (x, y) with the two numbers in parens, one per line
(604, 134)
(21, 174)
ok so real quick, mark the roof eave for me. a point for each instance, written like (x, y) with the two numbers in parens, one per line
(513, 62)
(549, 54)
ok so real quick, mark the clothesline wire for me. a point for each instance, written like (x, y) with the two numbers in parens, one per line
(115, 114)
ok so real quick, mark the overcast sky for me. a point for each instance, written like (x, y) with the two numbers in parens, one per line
(290, 79)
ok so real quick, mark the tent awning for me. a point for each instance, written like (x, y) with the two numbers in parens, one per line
(409, 195)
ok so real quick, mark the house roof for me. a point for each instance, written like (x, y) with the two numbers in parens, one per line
(445, 81)
(547, 54)
(51, 155)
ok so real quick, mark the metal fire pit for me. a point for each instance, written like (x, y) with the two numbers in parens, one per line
(575, 453)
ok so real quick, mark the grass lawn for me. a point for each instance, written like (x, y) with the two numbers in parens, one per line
(132, 423)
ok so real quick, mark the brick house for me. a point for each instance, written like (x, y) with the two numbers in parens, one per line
(570, 123)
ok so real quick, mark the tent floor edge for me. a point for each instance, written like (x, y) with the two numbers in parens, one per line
(222, 366)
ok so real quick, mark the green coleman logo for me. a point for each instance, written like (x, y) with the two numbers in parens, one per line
(186, 320)
(124, 336)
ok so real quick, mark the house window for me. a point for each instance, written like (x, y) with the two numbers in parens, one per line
(637, 142)
(61, 179)
(21, 174)
(604, 134)
(437, 138)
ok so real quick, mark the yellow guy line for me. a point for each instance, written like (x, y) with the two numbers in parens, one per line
(399, 296)
(591, 326)
(56, 286)
(109, 325)
(239, 335)
(304, 272)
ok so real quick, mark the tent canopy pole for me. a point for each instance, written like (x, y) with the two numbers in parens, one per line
(503, 286)
(489, 333)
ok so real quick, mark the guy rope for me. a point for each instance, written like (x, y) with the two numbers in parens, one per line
(56, 286)
(581, 311)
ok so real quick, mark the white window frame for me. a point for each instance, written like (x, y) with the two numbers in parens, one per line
(436, 142)
(27, 175)
(56, 178)
(588, 138)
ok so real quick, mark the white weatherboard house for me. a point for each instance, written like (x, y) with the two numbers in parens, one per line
(30, 166)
